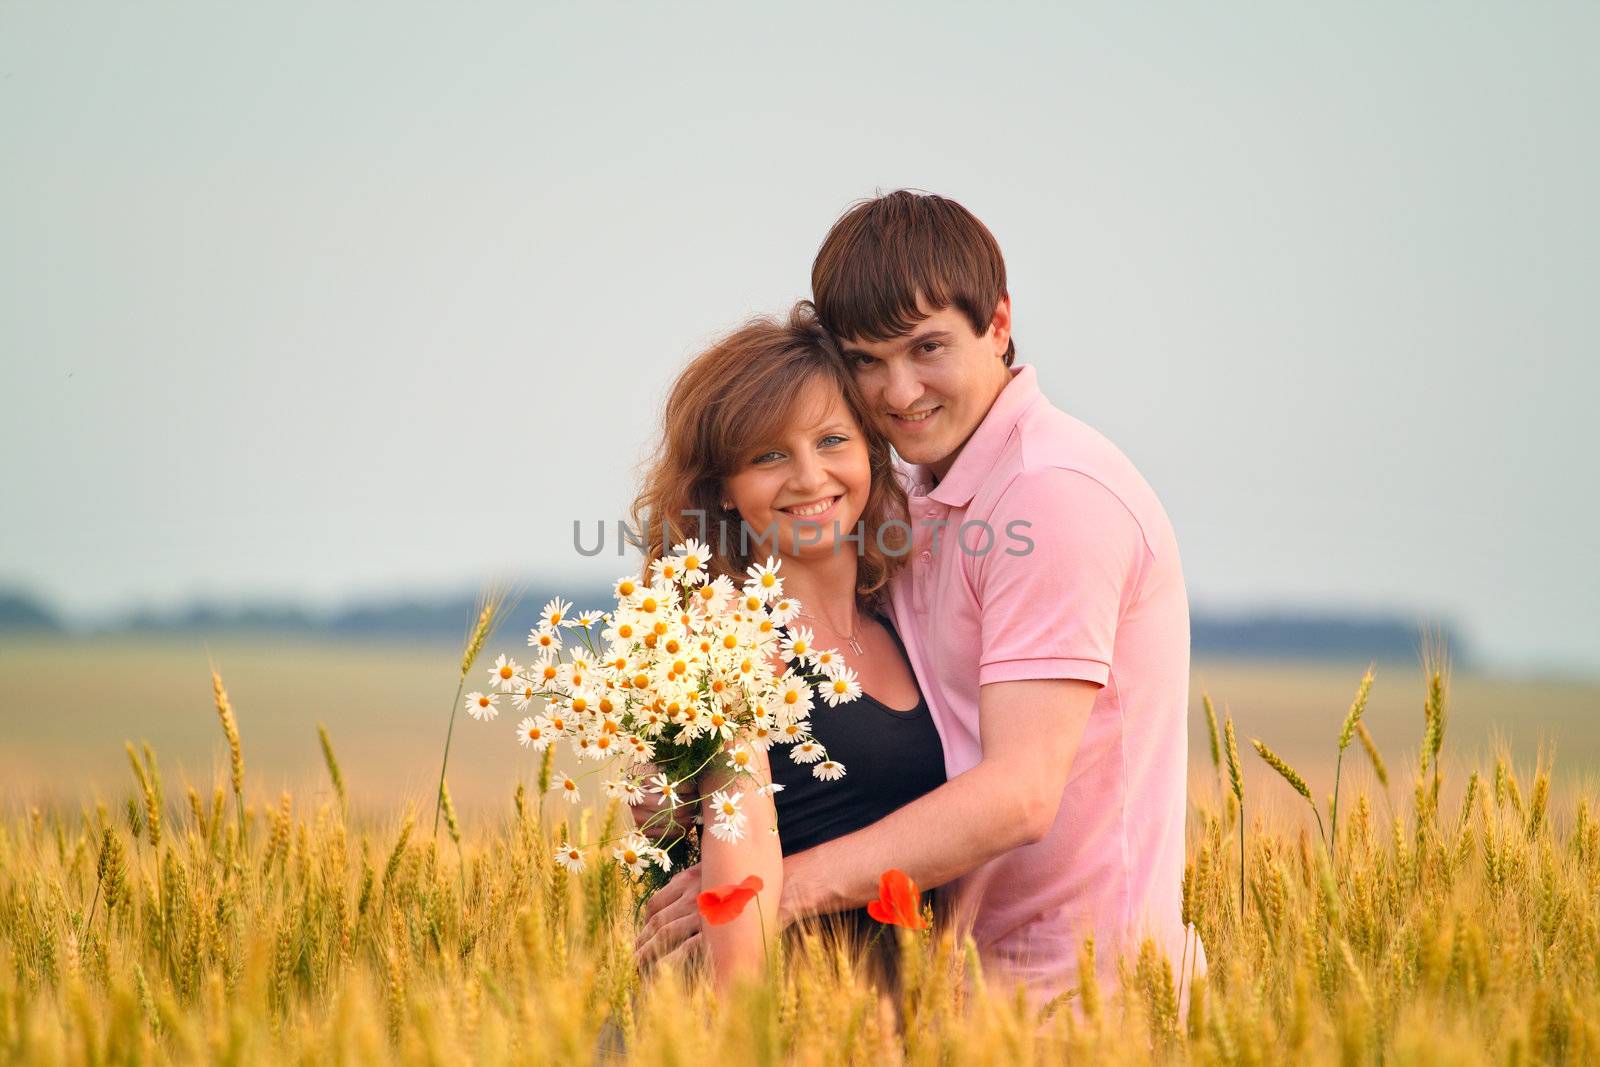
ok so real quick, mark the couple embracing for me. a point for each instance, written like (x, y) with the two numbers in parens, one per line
(1008, 591)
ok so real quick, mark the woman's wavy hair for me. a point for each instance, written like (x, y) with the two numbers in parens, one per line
(721, 408)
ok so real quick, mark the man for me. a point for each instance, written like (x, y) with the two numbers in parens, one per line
(1043, 609)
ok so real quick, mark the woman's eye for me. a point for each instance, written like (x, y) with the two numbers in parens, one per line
(834, 438)
(765, 456)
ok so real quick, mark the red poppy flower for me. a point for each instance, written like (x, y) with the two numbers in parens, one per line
(897, 901)
(723, 903)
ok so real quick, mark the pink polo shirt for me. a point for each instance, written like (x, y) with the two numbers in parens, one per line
(1081, 579)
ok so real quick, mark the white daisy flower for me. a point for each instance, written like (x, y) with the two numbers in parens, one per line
(568, 788)
(534, 734)
(588, 619)
(785, 610)
(666, 570)
(827, 660)
(659, 857)
(725, 806)
(796, 645)
(546, 670)
(762, 733)
(840, 688)
(504, 673)
(739, 758)
(728, 831)
(652, 603)
(807, 751)
(555, 613)
(483, 706)
(629, 792)
(771, 788)
(794, 696)
(634, 853)
(693, 558)
(764, 580)
(719, 722)
(626, 588)
(716, 594)
(525, 695)
(544, 638)
(828, 770)
(664, 786)
(570, 858)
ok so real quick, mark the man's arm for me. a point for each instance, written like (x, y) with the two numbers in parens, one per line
(1049, 620)
(1030, 731)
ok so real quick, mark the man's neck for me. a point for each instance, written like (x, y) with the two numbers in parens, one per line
(939, 468)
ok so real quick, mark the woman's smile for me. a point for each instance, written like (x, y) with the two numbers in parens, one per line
(812, 509)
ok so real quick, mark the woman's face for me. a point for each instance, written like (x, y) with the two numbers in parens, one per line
(808, 482)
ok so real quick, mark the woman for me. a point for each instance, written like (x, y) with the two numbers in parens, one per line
(766, 430)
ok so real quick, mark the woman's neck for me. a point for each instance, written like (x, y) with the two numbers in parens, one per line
(824, 585)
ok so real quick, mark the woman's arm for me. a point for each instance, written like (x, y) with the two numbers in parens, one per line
(739, 947)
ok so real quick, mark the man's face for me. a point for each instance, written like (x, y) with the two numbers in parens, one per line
(931, 387)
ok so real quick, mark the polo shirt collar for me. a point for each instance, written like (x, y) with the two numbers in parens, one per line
(981, 451)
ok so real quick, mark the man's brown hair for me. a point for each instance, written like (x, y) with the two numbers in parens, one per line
(886, 251)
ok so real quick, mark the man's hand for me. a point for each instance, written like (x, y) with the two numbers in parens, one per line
(655, 819)
(672, 919)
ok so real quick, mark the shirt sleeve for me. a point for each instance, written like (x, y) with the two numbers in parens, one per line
(1066, 558)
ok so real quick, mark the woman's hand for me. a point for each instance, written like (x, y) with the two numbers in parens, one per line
(672, 919)
(654, 818)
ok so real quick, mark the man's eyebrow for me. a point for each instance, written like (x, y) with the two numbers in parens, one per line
(925, 336)
(911, 342)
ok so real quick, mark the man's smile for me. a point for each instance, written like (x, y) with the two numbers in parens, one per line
(913, 420)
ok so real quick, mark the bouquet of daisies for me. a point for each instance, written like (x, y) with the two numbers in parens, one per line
(682, 674)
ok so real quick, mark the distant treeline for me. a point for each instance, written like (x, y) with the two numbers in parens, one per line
(1274, 634)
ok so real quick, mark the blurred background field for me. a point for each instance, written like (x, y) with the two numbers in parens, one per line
(67, 703)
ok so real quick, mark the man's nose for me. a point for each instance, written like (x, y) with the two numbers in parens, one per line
(902, 390)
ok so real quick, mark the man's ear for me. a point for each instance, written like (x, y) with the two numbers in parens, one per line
(1000, 326)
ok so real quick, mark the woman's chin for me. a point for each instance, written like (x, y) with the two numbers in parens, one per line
(812, 538)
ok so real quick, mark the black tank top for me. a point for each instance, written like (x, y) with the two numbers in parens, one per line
(890, 759)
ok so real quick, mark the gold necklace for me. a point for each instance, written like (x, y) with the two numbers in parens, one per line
(855, 646)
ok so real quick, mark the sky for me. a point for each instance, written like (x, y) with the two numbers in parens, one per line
(330, 301)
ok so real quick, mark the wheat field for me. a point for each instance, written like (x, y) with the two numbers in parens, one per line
(218, 916)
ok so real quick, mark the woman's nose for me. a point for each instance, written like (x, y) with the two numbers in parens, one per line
(807, 473)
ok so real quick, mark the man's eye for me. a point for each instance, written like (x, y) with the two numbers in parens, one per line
(862, 360)
(929, 346)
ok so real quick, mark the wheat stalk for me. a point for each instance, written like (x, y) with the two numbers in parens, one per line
(1236, 780)
(1292, 776)
(490, 608)
(1211, 731)
(230, 730)
(333, 766)
(1352, 720)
